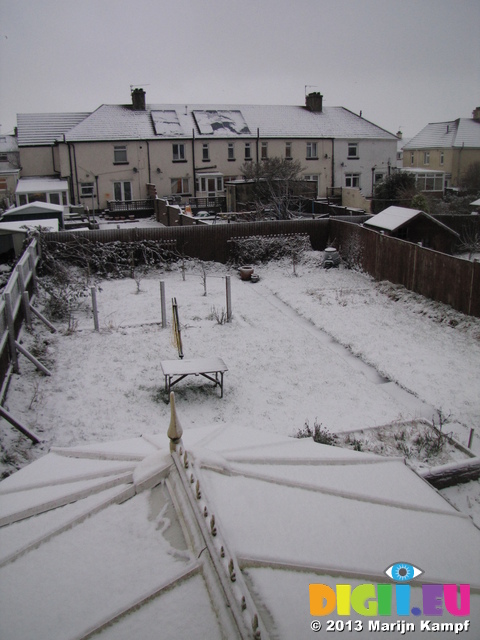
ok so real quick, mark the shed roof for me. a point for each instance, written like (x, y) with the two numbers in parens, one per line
(119, 536)
(35, 207)
(393, 218)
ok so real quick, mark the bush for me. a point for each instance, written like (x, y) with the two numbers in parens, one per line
(255, 249)
(319, 434)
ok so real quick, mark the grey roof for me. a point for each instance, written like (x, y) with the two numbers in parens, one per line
(117, 122)
(455, 134)
(45, 128)
(8, 144)
(392, 218)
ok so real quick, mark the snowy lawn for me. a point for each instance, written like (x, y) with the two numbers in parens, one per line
(326, 346)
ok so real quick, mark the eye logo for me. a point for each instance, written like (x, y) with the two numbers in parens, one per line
(403, 572)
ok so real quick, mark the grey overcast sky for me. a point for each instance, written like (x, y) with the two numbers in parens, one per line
(403, 63)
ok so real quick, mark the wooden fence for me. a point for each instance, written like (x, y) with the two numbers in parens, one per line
(435, 275)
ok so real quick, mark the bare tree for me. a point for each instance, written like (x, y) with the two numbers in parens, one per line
(275, 185)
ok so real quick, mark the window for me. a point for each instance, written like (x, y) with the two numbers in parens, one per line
(179, 152)
(264, 150)
(248, 151)
(205, 152)
(378, 177)
(426, 157)
(120, 155)
(54, 198)
(314, 178)
(122, 190)
(312, 150)
(412, 158)
(352, 180)
(179, 185)
(86, 189)
(352, 150)
(231, 151)
(442, 157)
(288, 150)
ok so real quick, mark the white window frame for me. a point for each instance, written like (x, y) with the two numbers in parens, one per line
(426, 158)
(120, 154)
(87, 189)
(352, 180)
(121, 185)
(183, 183)
(264, 150)
(288, 151)
(231, 151)
(314, 178)
(248, 151)
(312, 151)
(178, 152)
(412, 158)
(352, 153)
(205, 152)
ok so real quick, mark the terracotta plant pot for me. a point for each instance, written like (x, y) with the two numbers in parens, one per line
(245, 272)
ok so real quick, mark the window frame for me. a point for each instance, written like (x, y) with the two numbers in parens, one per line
(179, 152)
(264, 151)
(120, 154)
(426, 158)
(122, 184)
(205, 152)
(354, 178)
(248, 152)
(184, 186)
(352, 151)
(288, 151)
(312, 151)
(231, 152)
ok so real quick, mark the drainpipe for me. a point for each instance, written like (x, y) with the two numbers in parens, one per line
(98, 197)
(76, 172)
(333, 163)
(193, 162)
(148, 160)
(53, 160)
(70, 177)
(258, 141)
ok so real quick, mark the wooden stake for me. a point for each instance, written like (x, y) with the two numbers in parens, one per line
(95, 309)
(229, 298)
(162, 303)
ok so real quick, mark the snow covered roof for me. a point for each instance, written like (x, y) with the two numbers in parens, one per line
(392, 218)
(455, 134)
(118, 122)
(24, 225)
(45, 128)
(44, 185)
(230, 529)
(35, 207)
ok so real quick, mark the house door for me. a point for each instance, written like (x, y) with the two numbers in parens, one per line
(211, 187)
(122, 190)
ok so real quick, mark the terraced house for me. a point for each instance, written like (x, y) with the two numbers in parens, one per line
(188, 151)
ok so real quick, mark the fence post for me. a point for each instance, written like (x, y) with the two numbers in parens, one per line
(25, 298)
(11, 330)
(95, 309)
(162, 304)
(229, 298)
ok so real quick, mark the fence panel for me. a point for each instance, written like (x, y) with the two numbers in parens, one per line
(438, 276)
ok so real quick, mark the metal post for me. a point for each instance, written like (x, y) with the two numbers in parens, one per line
(162, 303)
(470, 438)
(95, 309)
(229, 298)
(11, 330)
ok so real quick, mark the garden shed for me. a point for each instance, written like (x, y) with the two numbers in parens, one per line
(416, 226)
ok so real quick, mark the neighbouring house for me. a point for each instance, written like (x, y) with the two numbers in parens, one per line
(192, 151)
(9, 170)
(447, 147)
(416, 226)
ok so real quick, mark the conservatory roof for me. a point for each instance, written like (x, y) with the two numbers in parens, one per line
(228, 530)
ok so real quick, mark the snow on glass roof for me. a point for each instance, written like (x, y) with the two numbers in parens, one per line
(216, 539)
(221, 122)
(166, 123)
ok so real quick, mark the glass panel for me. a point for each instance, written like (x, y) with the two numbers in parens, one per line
(55, 198)
(117, 189)
(127, 187)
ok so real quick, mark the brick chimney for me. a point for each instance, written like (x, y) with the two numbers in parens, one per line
(476, 114)
(138, 100)
(314, 102)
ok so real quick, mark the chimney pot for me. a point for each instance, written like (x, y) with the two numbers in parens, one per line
(476, 114)
(314, 102)
(138, 100)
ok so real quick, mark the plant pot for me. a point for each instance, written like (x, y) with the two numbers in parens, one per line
(245, 272)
